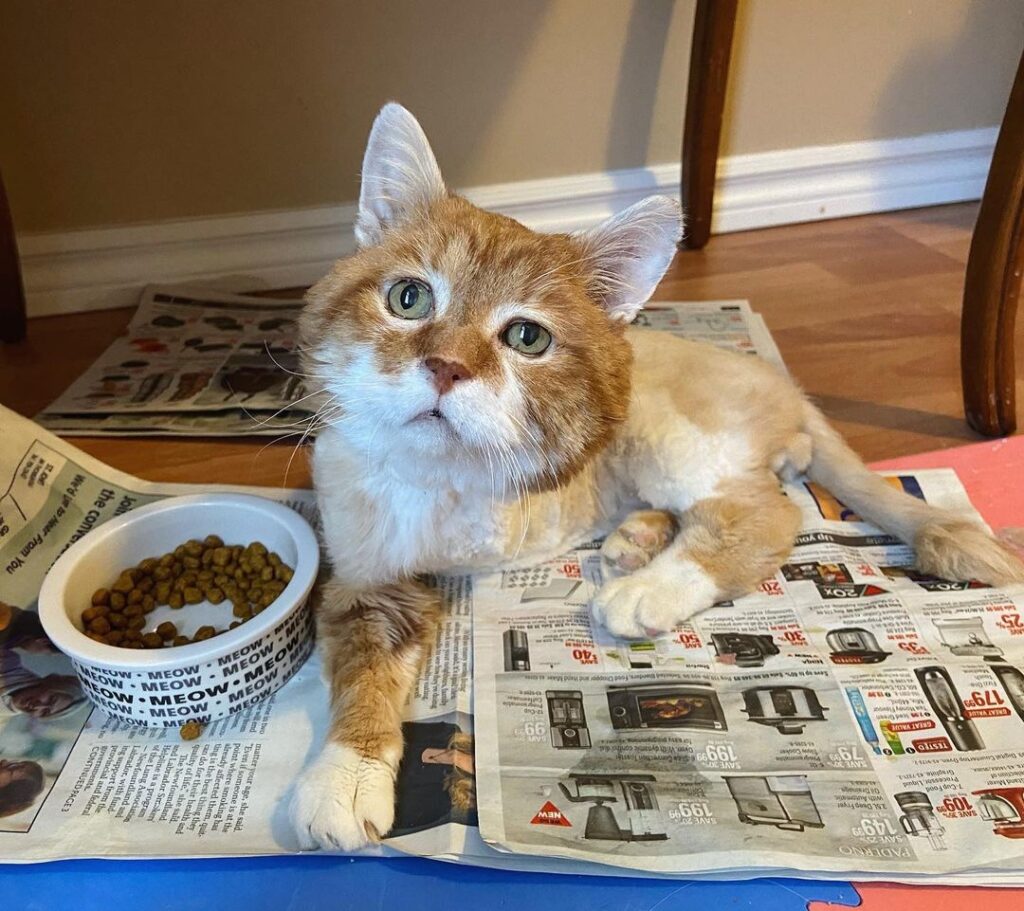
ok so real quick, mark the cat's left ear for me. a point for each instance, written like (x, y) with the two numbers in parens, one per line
(400, 174)
(630, 252)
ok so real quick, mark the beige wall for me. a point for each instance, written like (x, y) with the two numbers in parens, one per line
(120, 111)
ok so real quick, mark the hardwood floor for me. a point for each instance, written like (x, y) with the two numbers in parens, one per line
(865, 311)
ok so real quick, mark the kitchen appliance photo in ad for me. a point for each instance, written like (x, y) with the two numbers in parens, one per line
(965, 637)
(567, 720)
(643, 818)
(516, 648)
(665, 705)
(919, 819)
(788, 709)
(855, 645)
(745, 649)
(1013, 683)
(946, 703)
(1004, 808)
(783, 801)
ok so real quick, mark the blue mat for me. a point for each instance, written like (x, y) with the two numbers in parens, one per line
(312, 883)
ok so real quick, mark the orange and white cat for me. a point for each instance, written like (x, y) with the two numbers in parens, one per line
(488, 404)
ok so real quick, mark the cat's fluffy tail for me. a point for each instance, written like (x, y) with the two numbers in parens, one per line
(947, 544)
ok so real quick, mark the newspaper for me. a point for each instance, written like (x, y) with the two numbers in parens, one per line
(196, 362)
(193, 362)
(850, 717)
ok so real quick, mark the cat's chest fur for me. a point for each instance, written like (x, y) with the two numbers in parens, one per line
(380, 524)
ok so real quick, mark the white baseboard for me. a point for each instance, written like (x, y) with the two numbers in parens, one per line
(856, 178)
(107, 267)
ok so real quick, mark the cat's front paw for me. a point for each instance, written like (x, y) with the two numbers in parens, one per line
(344, 801)
(653, 600)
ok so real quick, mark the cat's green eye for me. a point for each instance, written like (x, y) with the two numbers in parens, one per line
(410, 299)
(527, 338)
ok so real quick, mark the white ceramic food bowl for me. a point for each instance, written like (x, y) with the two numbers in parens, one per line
(205, 680)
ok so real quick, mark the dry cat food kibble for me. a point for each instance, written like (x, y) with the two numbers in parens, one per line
(191, 730)
(249, 577)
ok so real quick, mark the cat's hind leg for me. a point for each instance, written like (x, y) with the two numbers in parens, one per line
(373, 644)
(726, 546)
(639, 539)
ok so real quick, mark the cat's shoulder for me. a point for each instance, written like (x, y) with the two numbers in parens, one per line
(656, 348)
(693, 375)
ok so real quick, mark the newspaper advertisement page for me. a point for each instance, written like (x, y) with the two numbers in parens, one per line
(196, 362)
(851, 716)
(77, 783)
(727, 324)
(193, 362)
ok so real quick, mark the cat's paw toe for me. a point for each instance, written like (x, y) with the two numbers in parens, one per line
(621, 555)
(620, 603)
(637, 541)
(650, 529)
(648, 603)
(344, 801)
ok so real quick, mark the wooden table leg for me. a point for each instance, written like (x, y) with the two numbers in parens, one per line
(12, 292)
(993, 281)
(710, 50)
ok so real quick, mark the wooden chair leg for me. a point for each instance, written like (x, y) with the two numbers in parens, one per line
(710, 51)
(993, 281)
(12, 292)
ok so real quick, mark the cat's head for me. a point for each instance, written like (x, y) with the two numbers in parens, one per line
(455, 334)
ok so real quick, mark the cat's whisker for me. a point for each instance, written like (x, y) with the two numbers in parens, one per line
(272, 442)
(536, 444)
(280, 366)
(490, 470)
(314, 423)
(520, 486)
(295, 451)
(293, 404)
(529, 507)
(310, 419)
(369, 443)
(314, 426)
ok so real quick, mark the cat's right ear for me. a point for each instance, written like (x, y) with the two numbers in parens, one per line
(400, 174)
(629, 253)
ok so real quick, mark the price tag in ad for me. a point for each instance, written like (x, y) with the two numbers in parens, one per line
(956, 806)
(846, 757)
(1011, 623)
(689, 639)
(794, 637)
(692, 813)
(719, 756)
(532, 731)
(584, 656)
(913, 648)
(875, 829)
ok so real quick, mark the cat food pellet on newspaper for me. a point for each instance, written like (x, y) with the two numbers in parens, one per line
(251, 577)
(190, 730)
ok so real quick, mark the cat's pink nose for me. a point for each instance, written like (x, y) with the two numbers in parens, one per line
(446, 374)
